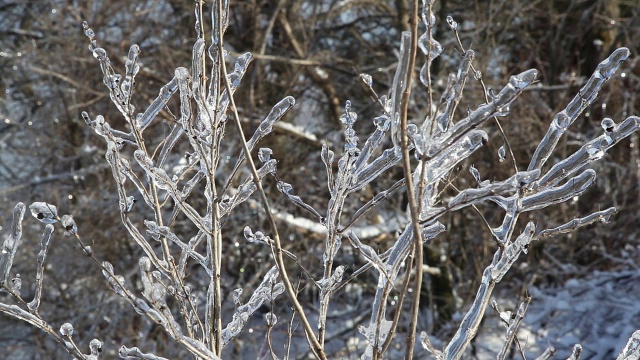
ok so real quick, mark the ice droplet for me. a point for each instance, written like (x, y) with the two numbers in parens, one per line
(502, 154)
(430, 47)
(429, 18)
(66, 329)
(608, 125)
(99, 53)
(475, 173)
(524, 79)
(367, 79)
(69, 225)
(44, 212)
(264, 154)
(348, 117)
(271, 319)
(17, 283)
(452, 23)
(443, 123)
(87, 30)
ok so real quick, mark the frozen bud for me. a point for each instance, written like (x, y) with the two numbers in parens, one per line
(452, 23)
(17, 283)
(236, 296)
(88, 250)
(96, 346)
(608, 125)
(44, 212)
(366, 78)
(69, 225)
(264, 154)
(271, 319)
(66, 329)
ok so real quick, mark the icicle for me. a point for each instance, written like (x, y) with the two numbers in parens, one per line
(502, 154)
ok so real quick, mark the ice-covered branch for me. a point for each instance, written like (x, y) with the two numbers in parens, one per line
(585, 97)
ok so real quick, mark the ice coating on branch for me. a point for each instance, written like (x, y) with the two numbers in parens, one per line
(450, 98)
(581, 101)
(512, 252)
(589, 152)
(276, 113)
(286, 189)
(369, 254)
(115, 281)
(631, 351)
(45, 213)
(327, 155)
(382, 124)
(398, 87)
(132, 68)
(430, 47)
(158, 104)
(271, 319)
(493, 189)
(570, 226)
(45, 240)
(497, 107)
(10, 245)
(267, 291)
(135, 353)
(447, 159)
(327, 287)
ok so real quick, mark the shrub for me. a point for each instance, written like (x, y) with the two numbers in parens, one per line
(177, 197)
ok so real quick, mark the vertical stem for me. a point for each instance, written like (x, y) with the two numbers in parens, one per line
(214, 238)
(315, 346)
(413, 206)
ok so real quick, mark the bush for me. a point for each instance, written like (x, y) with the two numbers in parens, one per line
(185, 196)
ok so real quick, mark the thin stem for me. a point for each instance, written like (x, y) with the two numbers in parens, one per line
(277, 252)
(406, 164)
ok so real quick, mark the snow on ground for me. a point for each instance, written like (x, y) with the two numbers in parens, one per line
(600, 312)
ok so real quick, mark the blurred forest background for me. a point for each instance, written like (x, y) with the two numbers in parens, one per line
(314, 51)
